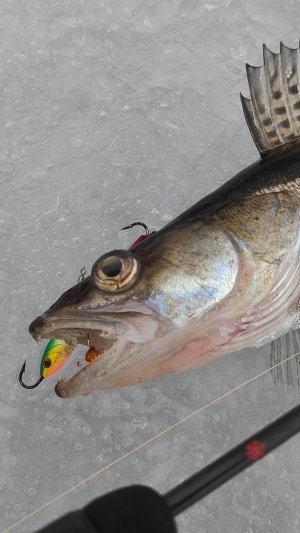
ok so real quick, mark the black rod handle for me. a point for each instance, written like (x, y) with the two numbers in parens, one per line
(245, 454)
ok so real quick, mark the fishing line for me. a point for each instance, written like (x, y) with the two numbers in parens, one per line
(140, 446)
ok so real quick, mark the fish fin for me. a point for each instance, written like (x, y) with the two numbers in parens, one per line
(287, 375)
(273, 111)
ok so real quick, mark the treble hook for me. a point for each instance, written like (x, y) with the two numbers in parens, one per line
(24, 384)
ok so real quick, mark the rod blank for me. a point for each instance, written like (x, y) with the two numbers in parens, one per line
(245, 454)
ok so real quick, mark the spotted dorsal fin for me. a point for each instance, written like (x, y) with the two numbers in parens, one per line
(273, 110)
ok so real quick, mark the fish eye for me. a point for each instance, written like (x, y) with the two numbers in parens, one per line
(47, 362)
(116, 271)
(111, 266)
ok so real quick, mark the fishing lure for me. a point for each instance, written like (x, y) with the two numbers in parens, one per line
(54, 357)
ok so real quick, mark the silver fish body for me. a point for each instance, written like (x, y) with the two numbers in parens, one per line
(222, 276)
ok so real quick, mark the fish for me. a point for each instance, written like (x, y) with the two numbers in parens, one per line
(222, 276)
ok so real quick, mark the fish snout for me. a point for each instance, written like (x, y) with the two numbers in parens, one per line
(36, 326)
(72, 298)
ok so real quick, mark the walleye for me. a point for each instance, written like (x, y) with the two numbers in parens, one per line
(222, 276)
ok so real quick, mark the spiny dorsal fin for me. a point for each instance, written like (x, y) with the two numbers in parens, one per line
(273, 110)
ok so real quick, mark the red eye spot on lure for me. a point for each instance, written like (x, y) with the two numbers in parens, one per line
(255, 449)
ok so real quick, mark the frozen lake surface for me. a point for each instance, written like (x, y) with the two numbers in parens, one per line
(113, 112)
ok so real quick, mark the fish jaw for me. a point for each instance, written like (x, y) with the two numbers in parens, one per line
(115, 336)
(116, 330)
(166, 350)
(127, 364)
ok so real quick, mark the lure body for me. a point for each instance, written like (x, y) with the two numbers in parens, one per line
(55, 355)
(222, 276)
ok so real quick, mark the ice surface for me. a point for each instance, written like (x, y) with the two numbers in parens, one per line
(113, 112)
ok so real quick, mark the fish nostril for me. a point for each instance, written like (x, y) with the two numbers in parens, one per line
(36, 326)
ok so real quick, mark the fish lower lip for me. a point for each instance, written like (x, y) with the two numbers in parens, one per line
(100, 367)
(58, 391)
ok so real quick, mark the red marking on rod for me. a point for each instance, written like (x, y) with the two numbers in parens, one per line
(255, 449)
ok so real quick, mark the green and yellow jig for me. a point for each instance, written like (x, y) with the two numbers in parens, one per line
(54, 357)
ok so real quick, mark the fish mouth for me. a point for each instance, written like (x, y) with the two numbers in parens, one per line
(74, 330)
(115, 336)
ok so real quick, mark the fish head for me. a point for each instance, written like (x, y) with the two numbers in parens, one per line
(113, 310)
(141, 307)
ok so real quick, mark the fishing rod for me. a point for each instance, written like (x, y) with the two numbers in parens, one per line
(140, 509)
